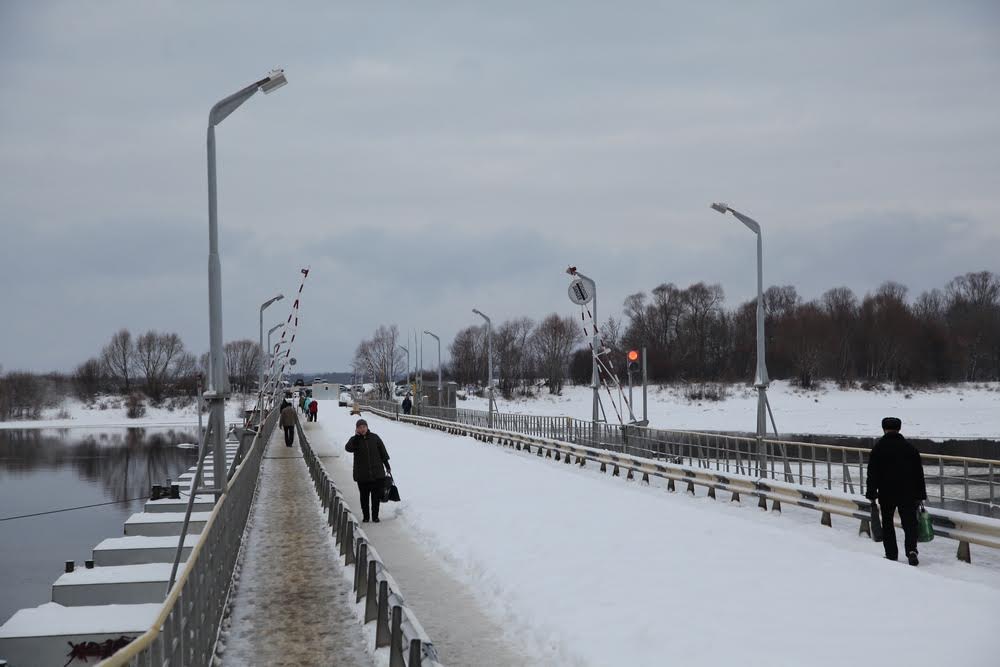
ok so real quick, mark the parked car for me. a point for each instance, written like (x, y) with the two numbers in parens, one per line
(345, 399)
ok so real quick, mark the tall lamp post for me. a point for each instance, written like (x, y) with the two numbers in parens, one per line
(489, 365)
(761, 379)
(434, 336)
(260, 407)
(269, 332)
(407, 350)
(218, 389)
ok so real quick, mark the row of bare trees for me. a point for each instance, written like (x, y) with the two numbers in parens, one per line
(523, 351)
(949, 334)
(158, 365)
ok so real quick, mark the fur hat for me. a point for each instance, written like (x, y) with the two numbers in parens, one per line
(892, 424)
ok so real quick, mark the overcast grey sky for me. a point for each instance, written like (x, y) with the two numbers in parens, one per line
(427, 158)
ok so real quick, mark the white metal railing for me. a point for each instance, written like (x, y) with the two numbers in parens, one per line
(186, 630)
(959, 483)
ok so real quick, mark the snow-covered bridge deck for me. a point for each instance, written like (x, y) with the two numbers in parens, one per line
(570, 566)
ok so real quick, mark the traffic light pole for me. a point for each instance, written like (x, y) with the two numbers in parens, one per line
(645, 416)
(631, 414)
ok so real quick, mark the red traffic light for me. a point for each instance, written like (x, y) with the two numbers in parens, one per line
(633, 355)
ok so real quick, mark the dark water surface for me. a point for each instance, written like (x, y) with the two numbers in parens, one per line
(49, 469)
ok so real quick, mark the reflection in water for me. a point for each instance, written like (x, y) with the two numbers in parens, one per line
(50, 469)
(125, 463)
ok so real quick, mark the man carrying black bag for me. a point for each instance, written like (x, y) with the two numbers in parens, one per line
(371, 462)
(896, 479)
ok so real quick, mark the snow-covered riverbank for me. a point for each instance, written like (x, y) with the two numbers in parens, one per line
(958, 411)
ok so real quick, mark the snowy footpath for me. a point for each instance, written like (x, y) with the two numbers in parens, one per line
(497, 548)
(462, 631)
(292, 606)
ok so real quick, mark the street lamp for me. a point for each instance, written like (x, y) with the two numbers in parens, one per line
(270, 331)
(434, 336)
(264, 305)
(761, 379)
(216, 394)
(407, 350)
(489, 358)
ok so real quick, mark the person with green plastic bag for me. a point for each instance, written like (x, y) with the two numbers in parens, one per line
(896, 480)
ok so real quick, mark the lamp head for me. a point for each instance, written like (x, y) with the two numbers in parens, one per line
(275, 79)
(721, 208)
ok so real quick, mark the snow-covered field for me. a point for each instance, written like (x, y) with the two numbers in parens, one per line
(74, 413)
(962, 411)
(583, 568)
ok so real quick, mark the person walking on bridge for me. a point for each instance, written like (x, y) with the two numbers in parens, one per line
(314, 411)
(896, 479)
(407, 405)
(288, 419)
(371, 462)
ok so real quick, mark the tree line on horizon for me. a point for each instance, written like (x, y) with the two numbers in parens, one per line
(949, 334)
(153, 366)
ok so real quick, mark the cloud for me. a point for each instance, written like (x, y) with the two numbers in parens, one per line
(429, 158)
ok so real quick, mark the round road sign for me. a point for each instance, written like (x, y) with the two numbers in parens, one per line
(581, 292)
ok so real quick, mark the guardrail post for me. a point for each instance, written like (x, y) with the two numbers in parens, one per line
(690, 488)
(964, 552)
(762, 501)
(670, 485)
(826, 520)
(361, 570)
(616, 472)
(396, 638)
(776, 506)
(711, 492)
(865, 528)
(414, 660)
(382, 620)
(645, 477)
(349, 545)
(735, 498)
(371, 595)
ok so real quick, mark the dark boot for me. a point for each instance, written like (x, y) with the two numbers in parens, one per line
(911, 557)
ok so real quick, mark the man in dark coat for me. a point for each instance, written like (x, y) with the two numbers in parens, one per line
(407, 405)
(287, 420)
(371, 462)
(896, 479)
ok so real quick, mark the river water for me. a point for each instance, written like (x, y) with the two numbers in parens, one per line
(48, 469)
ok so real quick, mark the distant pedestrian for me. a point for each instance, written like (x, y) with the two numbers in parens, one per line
(288, 419)
(305, 407)
(407, 405)
(371, 462)
(896, 479)
(314, 411)
(302, 403)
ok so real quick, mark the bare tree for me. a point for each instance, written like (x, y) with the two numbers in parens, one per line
(88, 378)
(512, 353)
(119, 358)
(553, 341)
(243, 358)
(380, 359)
(155, 355)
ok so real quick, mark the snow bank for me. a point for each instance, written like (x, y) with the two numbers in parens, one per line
(605, 572)
(961, 411)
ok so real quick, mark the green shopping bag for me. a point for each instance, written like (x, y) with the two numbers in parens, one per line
(925, 530)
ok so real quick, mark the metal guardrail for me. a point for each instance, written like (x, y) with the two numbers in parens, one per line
(186, 630)
(964, 484)
(966, 529)
(396, 626)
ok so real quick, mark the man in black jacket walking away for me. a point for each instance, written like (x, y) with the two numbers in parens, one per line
(371, 462)
(896, 479)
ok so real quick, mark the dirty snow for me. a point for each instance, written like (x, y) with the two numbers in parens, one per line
(289, 607)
